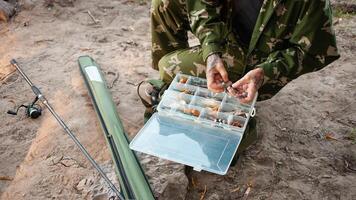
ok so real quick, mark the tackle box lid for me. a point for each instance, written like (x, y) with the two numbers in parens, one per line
(187, 142)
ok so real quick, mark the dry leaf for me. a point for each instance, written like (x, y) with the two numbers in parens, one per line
(330, 136)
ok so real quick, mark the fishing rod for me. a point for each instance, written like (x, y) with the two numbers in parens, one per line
(41, 97)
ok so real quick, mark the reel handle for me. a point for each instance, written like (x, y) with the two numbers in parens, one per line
(11, 112)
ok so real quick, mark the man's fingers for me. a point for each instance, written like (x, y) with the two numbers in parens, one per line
(217, 90)
(214, 82)
(218, 78)
(239, 83)
(251, 92)
(221, 69)
(215, 87)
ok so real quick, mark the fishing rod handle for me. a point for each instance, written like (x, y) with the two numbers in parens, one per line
(36, 91)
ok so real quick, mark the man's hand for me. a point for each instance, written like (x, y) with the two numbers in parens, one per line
(216, 73)
(247, 86)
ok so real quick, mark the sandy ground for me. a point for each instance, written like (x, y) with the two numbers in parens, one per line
(307, 147)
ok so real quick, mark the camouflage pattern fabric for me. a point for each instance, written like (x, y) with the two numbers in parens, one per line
(290, 38)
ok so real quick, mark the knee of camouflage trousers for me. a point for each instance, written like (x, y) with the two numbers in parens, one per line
(169, 26)
(162, 67)
(187, 61)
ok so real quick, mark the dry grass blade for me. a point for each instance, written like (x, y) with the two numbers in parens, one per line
(348, 166)
(114, 81)
(6, 71)
(202, 195)
(235, 190)
(43, 41)
(85, 49)
(96, 21)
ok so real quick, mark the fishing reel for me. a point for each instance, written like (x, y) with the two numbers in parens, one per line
(33, 110)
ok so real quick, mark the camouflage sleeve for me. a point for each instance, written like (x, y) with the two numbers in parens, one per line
(207, 25)
(312, 44)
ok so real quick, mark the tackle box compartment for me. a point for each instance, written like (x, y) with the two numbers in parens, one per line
(195, 126)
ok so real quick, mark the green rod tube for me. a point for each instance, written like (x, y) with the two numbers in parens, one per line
(133, 181)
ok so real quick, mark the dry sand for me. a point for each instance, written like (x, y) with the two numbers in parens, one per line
(307, 147)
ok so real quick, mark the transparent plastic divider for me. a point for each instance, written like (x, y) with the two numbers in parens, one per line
(222, 120)
(207, 117)
(233, 100)
(189, 112)
(183, 88)
(210, 104)
(219, 120)
(181, 78)
(237, 123)
(183, 98)
(250, 108)
(205, 93)
(234, 110)
(172, 100)
(167, 105)
(198, 82)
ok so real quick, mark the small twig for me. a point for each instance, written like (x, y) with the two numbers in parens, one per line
(326, 176)
(64, 164)
(235, 190)
(7, 76)
(203, 193)
(85, 49)
(347, 166)
(247, 192)
(76, 162)
(96, 21)
(111, 73)
(6, 178)
(132, 83)
(44, 40)
(114, 81)
(63, 158)
(106, 7)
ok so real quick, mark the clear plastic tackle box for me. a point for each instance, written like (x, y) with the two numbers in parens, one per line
(195, 126)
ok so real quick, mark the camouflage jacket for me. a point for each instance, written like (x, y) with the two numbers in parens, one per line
(290, 38)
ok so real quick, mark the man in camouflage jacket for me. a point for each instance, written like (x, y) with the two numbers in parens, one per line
(288, 38)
